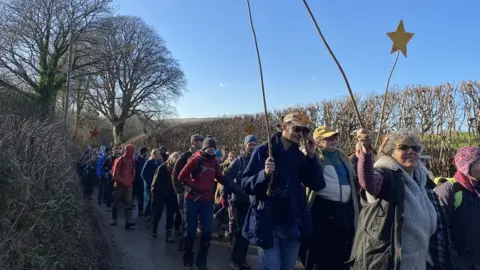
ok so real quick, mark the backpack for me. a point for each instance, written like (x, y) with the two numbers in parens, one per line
(457, 190)
(187, 155)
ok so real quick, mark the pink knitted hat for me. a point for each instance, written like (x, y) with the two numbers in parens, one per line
(464, 157)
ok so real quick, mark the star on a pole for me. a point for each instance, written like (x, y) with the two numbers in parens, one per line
(94, 133)
(400, 39)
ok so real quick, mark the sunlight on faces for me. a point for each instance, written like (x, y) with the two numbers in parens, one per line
(407, 153)
(158, 155)
(197, 144)
(250, 146)
(231, 156)
(330, 143)
(293, 133)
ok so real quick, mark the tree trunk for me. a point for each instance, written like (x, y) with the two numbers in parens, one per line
(118, 128)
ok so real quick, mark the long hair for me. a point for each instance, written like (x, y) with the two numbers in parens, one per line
(173, 158)
(153, 153)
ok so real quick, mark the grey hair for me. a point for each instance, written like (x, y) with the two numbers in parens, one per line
(393, 138)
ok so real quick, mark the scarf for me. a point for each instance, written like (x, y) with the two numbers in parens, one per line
(467, 183)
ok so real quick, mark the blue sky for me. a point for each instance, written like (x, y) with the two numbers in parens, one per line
(213, 42)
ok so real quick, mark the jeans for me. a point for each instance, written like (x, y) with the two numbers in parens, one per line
(174, 219)
(240, 244)
(147, 194)
(195, 211)
(283, 254)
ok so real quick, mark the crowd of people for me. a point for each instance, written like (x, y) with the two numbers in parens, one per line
(300, 197)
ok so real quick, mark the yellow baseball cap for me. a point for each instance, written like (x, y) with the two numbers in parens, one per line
(323, 132)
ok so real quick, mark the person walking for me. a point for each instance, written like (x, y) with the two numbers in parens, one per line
(109, 181)
(199, 176)
(196, 142)
(239, 204)
(138, 187)
(147, 175)
(222, 217)
(123, 175)
(398, 218)
(460, 199)
(278, 217)
(334, 209)
(163, 195)
(102, 195)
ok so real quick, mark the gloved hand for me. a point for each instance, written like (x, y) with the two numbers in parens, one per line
(224, 202)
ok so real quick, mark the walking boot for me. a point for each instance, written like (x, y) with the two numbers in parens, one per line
(201, 261)
(114, 217)
(169, 237)
(188, 255)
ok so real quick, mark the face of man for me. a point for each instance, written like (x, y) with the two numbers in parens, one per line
(293, 133)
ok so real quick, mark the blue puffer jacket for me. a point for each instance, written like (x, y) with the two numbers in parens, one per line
(102, 158)
(292, 168)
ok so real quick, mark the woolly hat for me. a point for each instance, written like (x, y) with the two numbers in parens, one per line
(464, 157)
(143, 150)
(209, 142)
(250, 138)
(218, 153)
(196, 137)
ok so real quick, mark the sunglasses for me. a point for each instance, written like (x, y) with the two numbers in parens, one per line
(301, 129)
(415, 148)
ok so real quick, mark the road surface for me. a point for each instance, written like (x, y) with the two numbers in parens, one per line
(137, 250)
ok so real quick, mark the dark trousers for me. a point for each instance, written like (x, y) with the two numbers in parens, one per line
(102, 190)
(174, 220)
(331, 243)
(109, 191)
(147, 191)
(240, 244)
(88, 182)
(138, 194)
(195, 211)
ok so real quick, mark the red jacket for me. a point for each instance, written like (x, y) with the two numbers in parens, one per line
(203, 181)
(124, 168)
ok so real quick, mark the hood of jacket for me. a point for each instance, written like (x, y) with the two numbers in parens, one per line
(128, 151)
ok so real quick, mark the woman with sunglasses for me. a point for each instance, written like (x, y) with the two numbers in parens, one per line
(398, 218)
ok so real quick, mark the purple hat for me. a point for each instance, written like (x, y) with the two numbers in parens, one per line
(464, 157)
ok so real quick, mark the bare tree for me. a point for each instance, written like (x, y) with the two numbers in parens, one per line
(34, 44)
(136, 75)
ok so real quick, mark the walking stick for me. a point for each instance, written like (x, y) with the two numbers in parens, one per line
(352, 97)
(265, 111)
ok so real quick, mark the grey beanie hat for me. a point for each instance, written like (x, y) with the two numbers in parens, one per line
(250, 138)
(196, 137)
(209, 142)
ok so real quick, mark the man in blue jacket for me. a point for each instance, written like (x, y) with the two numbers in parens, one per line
(278, 216)
(101, 176)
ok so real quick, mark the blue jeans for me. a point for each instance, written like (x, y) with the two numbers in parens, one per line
(283, 255)
(195, 210)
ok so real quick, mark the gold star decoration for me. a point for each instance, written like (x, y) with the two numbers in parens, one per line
(400, 39)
